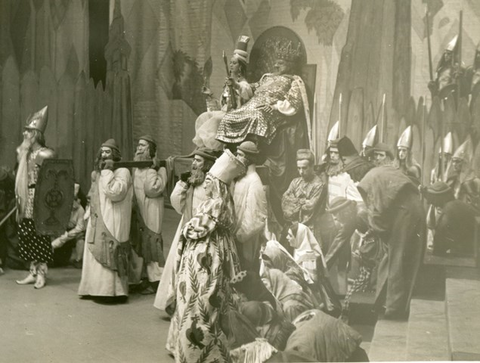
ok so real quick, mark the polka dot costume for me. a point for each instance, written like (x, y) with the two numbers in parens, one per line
(32, 246)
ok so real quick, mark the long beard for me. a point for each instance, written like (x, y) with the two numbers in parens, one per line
(197, 177)
(24, 147)
(144, 156)
(334, 168)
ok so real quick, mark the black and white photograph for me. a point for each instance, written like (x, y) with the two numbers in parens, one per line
(241, 181)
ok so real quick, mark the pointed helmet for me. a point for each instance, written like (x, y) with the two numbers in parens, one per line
(372, 138)
(38, 120)
(406, 139)
(334, 132)
(453, 43)
(464, 151)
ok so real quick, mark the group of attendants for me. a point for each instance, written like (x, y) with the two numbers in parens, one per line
(233, 290)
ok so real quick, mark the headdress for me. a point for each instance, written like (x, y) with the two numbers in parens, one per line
(453, 43)
(248, 147)
(306, 154)
(240, 51)
(38, 120)
(438, 193)
(447, 144)
(205, 153)
(406, 139)
(148, 138)
(381, 146)
(111, 143)
(346, 147)
(371, 139)
(284, 49)
(334, 134)
(227, 167)
(464, 151)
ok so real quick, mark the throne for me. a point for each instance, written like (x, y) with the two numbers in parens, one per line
(281, 153)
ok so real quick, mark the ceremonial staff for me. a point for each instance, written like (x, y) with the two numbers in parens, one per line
(233, 99)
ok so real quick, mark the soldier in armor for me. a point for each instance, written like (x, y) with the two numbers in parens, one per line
(446, 158)
(106, 258)
(473, 73)
(149, 185)
(33, 248)
(404, 159)
(450, 75)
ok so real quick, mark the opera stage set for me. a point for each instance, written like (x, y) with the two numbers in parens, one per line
(125, 68)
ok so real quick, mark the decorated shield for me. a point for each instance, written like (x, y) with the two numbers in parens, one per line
(54, 193)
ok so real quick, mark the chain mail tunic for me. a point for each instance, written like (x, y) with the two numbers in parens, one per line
(281, 90)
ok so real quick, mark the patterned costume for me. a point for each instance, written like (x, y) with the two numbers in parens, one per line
(250, 119)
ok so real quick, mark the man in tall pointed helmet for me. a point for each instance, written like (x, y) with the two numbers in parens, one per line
(445, 158)
(404, 159)
(449, 73)
(371, 139)
(473, 74)
(461, 177)
(106, 258)
(34, 248)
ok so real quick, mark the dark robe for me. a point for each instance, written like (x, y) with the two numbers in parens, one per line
(396, 216)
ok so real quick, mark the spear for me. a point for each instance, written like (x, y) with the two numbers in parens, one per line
(340, 116)
(459, 47)
(383, 120)
(430, 66)
(424, 136)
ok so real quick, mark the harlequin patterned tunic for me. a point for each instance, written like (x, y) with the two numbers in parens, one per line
(280, 90)
(32, 246)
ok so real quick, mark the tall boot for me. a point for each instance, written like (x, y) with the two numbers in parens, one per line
(32, 276)
(42, 270)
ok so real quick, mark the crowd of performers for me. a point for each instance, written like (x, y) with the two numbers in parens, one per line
(242, 282)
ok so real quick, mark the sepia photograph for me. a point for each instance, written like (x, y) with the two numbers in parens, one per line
(244, 181)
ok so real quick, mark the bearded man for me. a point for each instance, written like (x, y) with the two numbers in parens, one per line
(250, 201)
(149, 184)
(188, 194)
(33, 248)
(382, 155)
(105, 260)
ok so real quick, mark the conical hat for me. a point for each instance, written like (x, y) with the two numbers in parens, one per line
(227, 167)
(453, 43)
(406, 139)
(372, 138)
(334, 135)
(38, 120)
(465, 151)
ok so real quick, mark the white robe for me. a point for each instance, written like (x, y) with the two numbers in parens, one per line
(177, 198)
(250, 202)
(115, 193)
(148, 186)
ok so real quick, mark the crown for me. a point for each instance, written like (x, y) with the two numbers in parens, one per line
(284, 49)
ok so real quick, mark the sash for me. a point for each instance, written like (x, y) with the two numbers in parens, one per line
(106, 249)
(148, 244)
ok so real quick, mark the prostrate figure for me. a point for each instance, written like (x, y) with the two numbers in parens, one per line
(207, 123)
(250, 201)
(455, 221)
(206, 261)
(34, 248)
(404, 159)
(106, 258)
(148, 185)
(188, 194)
(277, 97)
(74, 238)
